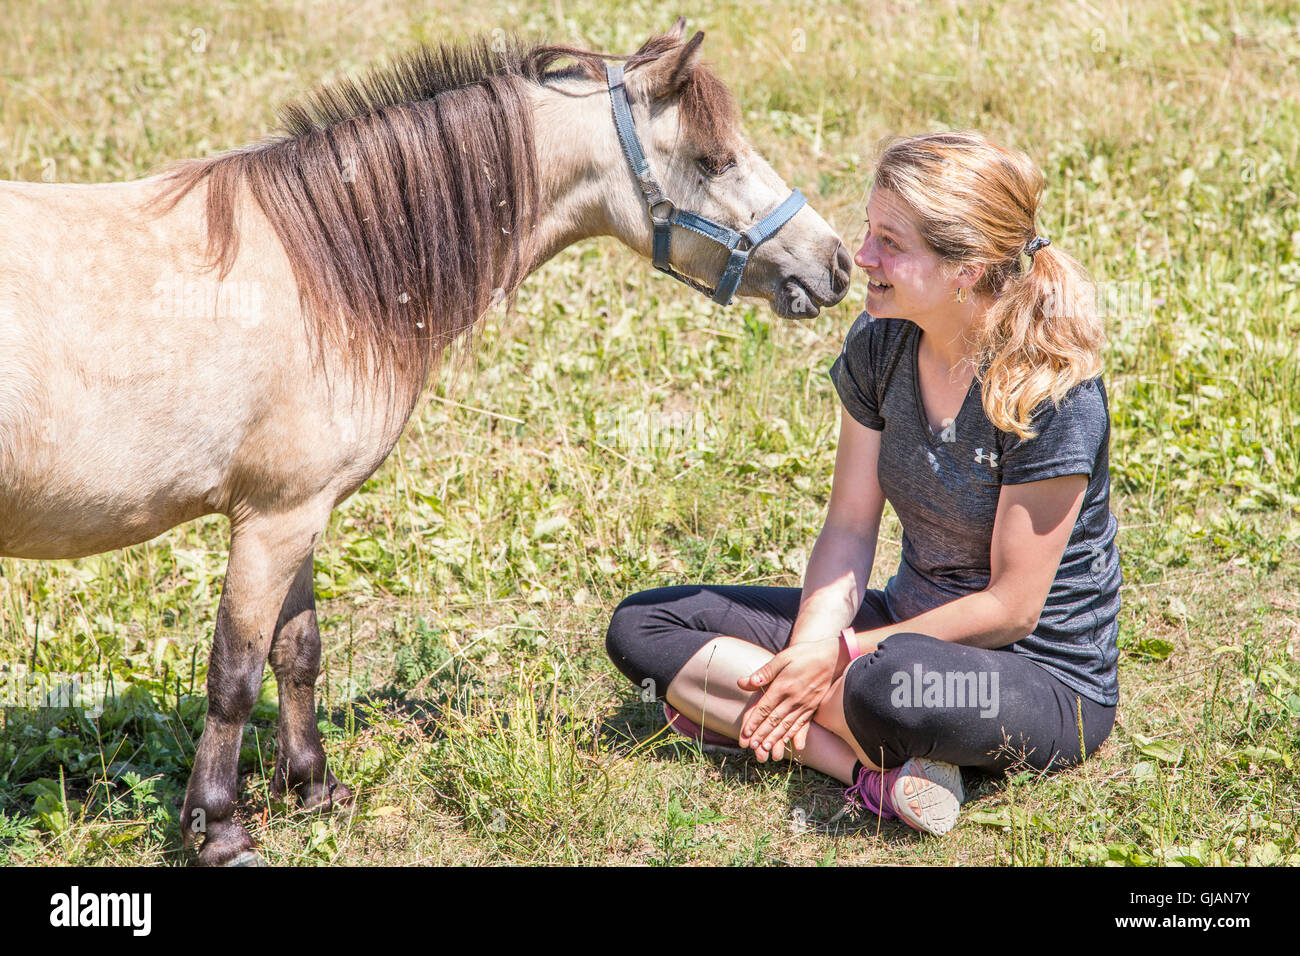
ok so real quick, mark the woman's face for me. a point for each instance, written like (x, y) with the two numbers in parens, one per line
(894, 253)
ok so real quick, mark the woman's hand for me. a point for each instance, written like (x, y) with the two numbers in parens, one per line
(793, 685)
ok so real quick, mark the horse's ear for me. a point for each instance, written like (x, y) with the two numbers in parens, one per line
(677, 31)
(666, 76)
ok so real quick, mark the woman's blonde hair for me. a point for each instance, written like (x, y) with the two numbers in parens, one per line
(975, 202)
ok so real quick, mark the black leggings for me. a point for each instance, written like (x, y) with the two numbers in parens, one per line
(915, 696)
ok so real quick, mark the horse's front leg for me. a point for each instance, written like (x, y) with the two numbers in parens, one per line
(300, 763)
(266, 553)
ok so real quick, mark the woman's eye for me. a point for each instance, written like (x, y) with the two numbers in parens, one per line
(885, 239)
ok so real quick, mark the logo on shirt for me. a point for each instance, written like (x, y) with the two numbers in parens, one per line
(991, 458)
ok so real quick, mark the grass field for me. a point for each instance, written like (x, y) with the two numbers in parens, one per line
(621, 432)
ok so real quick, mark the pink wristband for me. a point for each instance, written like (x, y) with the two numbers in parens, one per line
(850, 641)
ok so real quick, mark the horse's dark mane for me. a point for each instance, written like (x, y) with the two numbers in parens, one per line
(406, 200)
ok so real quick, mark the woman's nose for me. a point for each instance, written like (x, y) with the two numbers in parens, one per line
(866, 255)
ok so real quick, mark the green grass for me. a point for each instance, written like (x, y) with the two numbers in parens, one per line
(466, 588)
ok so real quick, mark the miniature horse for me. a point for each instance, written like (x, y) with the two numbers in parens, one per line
(248, 334)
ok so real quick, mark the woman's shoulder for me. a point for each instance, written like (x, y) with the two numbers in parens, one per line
(875, 337)
(1074, 430)
(865, 366)
(1083, 399)
(866, 323)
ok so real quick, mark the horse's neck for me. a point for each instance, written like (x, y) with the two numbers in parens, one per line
(578, 163)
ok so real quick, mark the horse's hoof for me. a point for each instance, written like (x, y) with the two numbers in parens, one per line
(232, 846)
(328, 799)
(247, 858)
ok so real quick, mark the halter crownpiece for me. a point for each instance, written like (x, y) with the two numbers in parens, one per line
(740, 244)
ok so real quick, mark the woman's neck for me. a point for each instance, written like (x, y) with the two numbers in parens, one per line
(950, 344)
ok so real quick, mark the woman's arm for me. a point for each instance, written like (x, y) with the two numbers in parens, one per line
(841, 560)
(795, 680)
(1030, 531)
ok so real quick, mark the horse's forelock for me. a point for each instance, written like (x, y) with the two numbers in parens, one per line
(710, 112)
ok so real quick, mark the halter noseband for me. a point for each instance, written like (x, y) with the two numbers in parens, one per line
(739, 244)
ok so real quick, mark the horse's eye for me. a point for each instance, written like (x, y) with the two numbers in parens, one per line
(711, 168)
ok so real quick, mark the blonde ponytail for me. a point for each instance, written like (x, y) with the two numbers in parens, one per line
(1039, 339)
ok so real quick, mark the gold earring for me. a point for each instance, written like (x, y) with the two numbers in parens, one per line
(961, 295)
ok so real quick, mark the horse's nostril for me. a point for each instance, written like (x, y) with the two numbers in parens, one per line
(840, 271)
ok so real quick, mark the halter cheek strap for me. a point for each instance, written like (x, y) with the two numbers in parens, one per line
(664, 214)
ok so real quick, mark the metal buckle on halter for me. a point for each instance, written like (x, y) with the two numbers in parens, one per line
(668, 218)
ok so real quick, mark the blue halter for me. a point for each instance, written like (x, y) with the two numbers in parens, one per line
(740, 244)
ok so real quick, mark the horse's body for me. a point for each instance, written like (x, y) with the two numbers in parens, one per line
(135, 389)
(142, 387)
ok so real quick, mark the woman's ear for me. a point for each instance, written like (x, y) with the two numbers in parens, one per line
(968, 276)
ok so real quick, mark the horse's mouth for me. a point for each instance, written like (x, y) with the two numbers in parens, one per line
(794, 300)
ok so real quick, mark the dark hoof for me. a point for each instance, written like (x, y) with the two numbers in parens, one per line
(327, 798)
(248, 858)
(231, 846)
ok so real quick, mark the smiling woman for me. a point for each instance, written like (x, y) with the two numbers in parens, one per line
(972, 402)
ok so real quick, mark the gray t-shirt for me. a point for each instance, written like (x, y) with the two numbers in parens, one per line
(944, 487)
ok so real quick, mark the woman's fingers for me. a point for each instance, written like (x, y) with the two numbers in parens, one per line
(755, 717)
(790, 696)
(782, 726)
(769, 722)
(796, 739)
(766, 727)
(791, 731)
(801, 732)
(763, 717)
(764, 676)
(761, 713)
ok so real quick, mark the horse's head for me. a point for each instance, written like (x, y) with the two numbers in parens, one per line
(686, 121)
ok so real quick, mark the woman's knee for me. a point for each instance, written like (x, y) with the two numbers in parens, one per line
(634, 614)
(625, 642)
(623, 624)
(882, 719)
(649, 637)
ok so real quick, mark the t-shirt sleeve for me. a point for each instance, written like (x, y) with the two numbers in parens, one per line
(1069, 439)
(853, 374)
